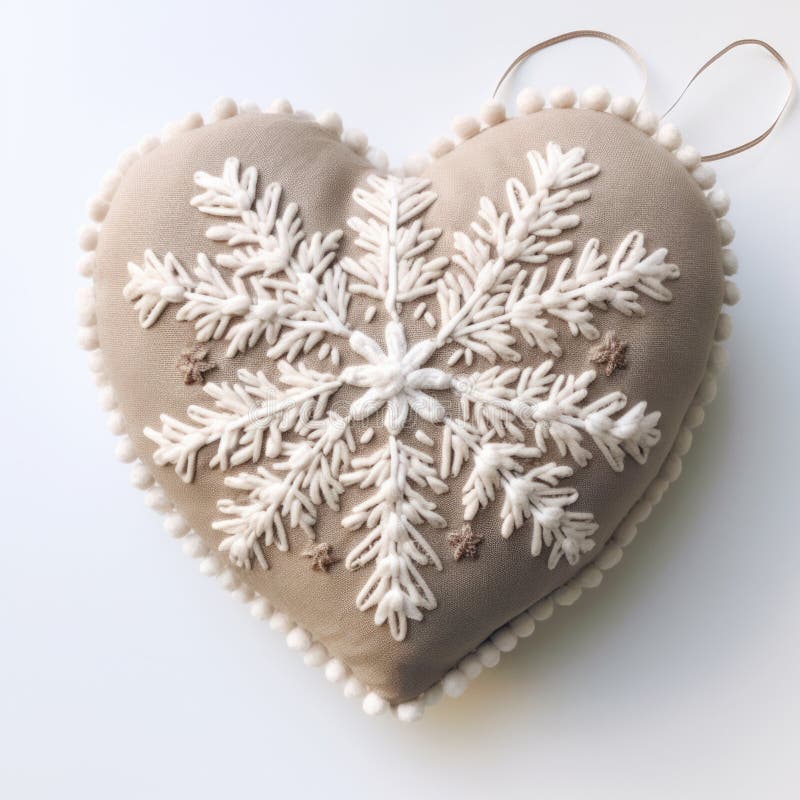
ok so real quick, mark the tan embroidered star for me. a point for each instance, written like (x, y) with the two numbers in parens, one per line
(320, 555)
(192, 363)
(464, 542)
(611, 353)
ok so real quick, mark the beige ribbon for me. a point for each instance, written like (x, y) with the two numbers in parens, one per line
(623, 45)
(760, 138)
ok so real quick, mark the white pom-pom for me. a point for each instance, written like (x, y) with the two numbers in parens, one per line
(170, 131)
(335, 671)
(720, 202)
(683, 442)
(641, 511)
(724, 328)
(193, 546)
(261, 608)
(228, 580)
(624, 107)
(373, 704)
(488, 655)
(192, 121)
(590, 578)
(434, 694)
(726, 232)
(718, 358)
(672, 468)
(298, 639)
(224, 108)
(87, 237)
(280, 622)
(595, 98)
(647, 121)
(493, 112)
(249, 107)
(156, 499)
(210, 566)
(280, 106)
(529, 101)
(331, 121)
(86, 264)
(626, 533)
(504, 640)
(140, 476)
(110, 183)
(731, 295)
(440, 147)
(115, 423)
(730, 263)
(655, 491)
(356, 140)
(87, 338)
(100, 379)
(95, 361)
(523, 625)
(378, 159)
(415, 164)
(127, 159)
(669, 136)
(455, 683)
(543, 610)
(242, 593)
(97, 208)
(609, 557)
(175, 525)
(567, 595)
(353, 687)
(688, 156)
(315, 656)
(85, 305)
(471, 666)
(410, 711)
(148, 144)
(466, 127)
(562, 97)
(124, 450)
(694, 416)
(705, 176)
(106, 398)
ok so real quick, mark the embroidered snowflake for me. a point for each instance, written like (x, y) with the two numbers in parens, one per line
(278, 286)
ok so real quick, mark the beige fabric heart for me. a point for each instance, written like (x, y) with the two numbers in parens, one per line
(408, 412)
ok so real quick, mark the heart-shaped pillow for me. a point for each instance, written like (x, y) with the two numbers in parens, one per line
(403, 413)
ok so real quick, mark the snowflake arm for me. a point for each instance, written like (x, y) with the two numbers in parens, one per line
(494, 295)
(506, 402)
(288, 495)
(393, 268)
(533, 495)
(280, 277)
(393, 515)
(248, 419)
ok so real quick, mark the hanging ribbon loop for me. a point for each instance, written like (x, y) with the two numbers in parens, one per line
(587, 34)
(760, 138)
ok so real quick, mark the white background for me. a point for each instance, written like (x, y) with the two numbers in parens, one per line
(125, 674)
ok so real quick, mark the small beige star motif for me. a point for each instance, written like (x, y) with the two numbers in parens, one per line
(611, 352)
(464, 542)
(320, 555)
(192, 363)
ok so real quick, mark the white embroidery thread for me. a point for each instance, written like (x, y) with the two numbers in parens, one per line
(290, 291)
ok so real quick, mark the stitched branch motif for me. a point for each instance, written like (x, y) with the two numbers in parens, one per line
(520, 431)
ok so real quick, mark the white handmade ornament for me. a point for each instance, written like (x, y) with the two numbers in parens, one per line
(421, 387)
